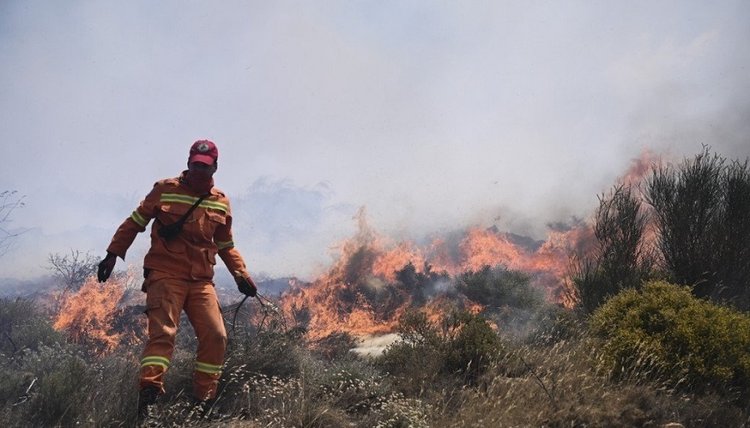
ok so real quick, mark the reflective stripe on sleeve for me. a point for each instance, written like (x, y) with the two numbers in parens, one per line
(142, 222)
(207, 368)
(224, 244)
(155, 361)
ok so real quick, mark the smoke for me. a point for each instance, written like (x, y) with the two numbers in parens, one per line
(512, 115)
(373, 346)
(689, 91)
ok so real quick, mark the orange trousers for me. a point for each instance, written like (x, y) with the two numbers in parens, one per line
(166, 298)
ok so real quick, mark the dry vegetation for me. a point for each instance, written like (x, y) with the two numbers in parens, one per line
(456, 373)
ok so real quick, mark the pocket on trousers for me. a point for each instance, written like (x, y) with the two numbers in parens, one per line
(154, 295)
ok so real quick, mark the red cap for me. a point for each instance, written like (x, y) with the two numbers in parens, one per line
(204, 151)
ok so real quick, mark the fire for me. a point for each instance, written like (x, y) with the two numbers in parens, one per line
(639, 168)
(90, 315)
(388, 263)
(362, 295)
(437, 308)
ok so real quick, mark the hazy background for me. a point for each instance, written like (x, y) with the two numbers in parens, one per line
(435, 115)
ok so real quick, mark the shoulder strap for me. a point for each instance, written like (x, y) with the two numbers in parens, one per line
(190, 211)
(170, 231)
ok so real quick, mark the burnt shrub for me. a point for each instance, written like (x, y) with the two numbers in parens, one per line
(419, 285)
(507, 296)
(665, 334)
(497, 287)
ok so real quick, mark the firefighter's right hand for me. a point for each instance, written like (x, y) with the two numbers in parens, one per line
(106, 267)
(246, 285)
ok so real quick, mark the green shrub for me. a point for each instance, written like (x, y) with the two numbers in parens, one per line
(40, 375)
(22, 326)
(416, 361)
(459, 350)
(471, 346)
(553, 324)
(664, 333)
(47, 387)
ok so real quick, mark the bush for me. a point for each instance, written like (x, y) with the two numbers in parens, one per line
(72, 270)
(620, 259)
(48, 386)
(472, 347)
(663, 333)
(554, 324)
(702, 213)
(499, 287)
(272, 353)
(416, 361)
(22, 326)
(335, 346)
(458, 351)
(419, 285)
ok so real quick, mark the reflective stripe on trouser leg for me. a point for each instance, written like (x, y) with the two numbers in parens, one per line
(205, 380)
(202, 308)
(155, 360)
(164, 300)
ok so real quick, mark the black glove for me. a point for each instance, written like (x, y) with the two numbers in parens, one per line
(106, 267)
(246, 285)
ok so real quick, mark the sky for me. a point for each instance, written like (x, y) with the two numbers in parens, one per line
(433, 115)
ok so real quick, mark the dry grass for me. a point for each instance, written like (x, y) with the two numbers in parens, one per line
(561, 386)
(273, 380)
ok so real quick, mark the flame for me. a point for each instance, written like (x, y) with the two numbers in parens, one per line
(635, 176)
(359, 293)
(436, 309)
(639, 168)
(388, 263)
(90, 315)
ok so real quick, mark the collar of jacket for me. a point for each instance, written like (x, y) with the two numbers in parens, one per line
(214, 191)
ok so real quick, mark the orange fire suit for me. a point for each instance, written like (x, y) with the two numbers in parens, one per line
(180, 277)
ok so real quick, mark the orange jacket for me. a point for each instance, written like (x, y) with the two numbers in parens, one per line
(192, 254)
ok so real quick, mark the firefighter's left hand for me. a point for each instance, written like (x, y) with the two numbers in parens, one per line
(246, 285)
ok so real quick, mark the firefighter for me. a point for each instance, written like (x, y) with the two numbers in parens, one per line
(193, 223)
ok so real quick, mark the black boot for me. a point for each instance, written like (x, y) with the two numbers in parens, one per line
(146, 398)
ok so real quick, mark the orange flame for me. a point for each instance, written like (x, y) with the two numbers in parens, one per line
(388, 263)
(357, 295)
(89, 315)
